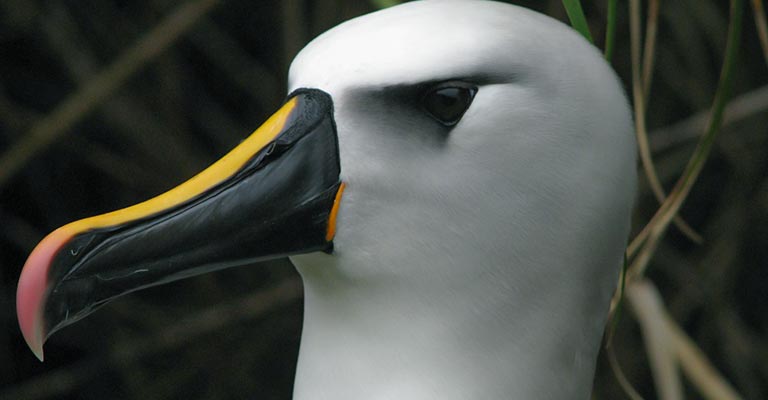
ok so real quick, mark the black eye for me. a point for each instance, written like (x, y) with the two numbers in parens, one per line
(448, 103)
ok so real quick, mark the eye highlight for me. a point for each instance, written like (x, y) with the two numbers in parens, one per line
(448, 102)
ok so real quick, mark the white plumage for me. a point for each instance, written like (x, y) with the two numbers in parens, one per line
(475, 262)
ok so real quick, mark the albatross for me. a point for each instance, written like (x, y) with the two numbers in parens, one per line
(453, 181)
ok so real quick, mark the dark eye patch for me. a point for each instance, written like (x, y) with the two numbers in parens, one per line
(448, 102)
(444, 101)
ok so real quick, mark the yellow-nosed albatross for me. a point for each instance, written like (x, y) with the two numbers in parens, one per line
(453, 180)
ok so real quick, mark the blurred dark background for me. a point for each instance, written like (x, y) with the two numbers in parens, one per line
(104, 103)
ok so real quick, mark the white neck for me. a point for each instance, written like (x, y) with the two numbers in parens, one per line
(483, 340)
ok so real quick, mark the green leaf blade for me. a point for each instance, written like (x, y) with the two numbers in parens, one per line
(578, 20)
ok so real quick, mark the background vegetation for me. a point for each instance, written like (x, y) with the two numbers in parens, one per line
(105, 103)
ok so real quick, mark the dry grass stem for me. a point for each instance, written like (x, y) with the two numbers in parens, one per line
(651, 234)
(293, 30)
(742, 107)
(710, 383)
(610, 30)
(669, 346)
(215, 318)
(762, 26)
(666, 344)
(625, 384)
(92, 94)
(649, 52)
(647, 305)
(639, 102)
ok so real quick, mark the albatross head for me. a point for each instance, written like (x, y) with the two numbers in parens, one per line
(488, 167)
(474, 258)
